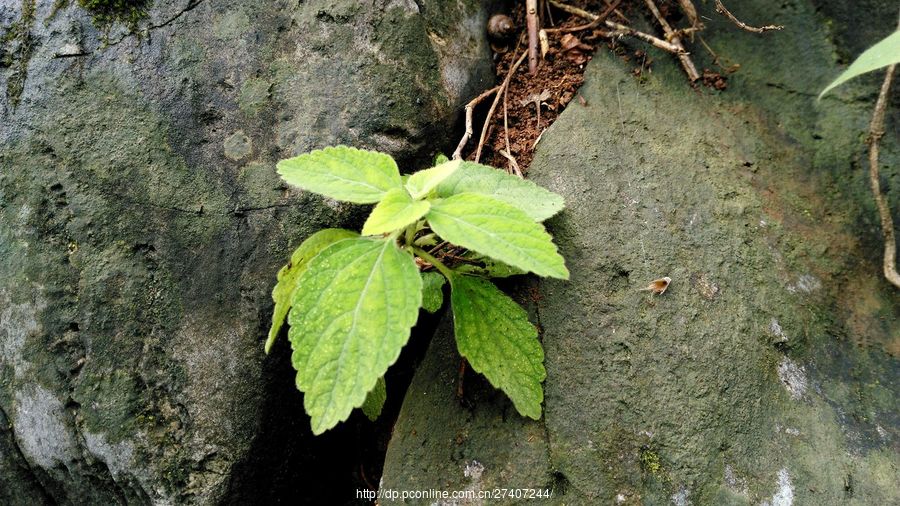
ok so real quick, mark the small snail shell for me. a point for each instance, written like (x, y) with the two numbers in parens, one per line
(500, 26)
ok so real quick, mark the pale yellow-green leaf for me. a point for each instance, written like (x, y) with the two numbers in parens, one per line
(499, 230)
(395, 211)
(536, 202)
(288, 275)
(350, 318)
(422, 182)
(343, 173)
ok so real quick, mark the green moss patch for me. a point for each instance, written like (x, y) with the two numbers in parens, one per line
(107, 12)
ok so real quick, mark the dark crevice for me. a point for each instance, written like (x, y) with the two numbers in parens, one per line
(288, 465)
(190, 6)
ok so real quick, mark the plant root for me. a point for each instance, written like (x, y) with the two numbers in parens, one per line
(503, 87)
(876, 132)
(470, 107)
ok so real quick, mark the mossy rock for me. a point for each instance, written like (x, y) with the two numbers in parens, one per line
(767, 373)
(142, 224)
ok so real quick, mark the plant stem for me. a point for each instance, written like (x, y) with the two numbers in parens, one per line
(410, 234)
(433, 261)
(531, 18)
(421, 241)
(876, 131)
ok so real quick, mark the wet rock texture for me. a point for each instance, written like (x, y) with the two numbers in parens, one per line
(142, 224)
(767, 373)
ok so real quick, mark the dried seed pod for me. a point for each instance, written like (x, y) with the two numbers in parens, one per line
(658, 286)
(500, 27)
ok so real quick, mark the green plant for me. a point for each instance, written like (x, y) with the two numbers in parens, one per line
(352, 299)
(885, 52)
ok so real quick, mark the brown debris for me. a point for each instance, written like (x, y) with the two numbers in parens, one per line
(576, 51)
(714, 80)
(555, 84)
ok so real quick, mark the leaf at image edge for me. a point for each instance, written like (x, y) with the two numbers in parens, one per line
(884, 53)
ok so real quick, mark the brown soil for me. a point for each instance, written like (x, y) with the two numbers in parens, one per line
(554, 86)
(559, 75)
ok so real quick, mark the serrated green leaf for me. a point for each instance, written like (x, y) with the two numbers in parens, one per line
(343, 173)
(349, 321)
(537, 202)
(422, 182)
(432, 291)
(395, 211)
(499, 230)
(493, 333)
(288, 275)
(884, 53)
(374, 402)
(487, 267)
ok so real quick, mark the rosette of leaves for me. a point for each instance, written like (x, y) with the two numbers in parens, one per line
(351, 298)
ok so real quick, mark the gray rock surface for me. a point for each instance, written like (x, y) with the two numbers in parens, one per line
(488, 444)
(142, 224)
(768, 373)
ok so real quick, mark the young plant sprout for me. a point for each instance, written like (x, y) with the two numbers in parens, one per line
(351, 299)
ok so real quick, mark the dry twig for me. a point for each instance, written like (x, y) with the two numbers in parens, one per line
(672, 37)
(490, 114)
(687, 7)
(619, 29)
(470, 107)
(617, 12)
(507, 153)
(720, 8)
(594, 18)
(876, 131)
(549, 12)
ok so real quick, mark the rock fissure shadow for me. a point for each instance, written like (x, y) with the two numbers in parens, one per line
(287, 464)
